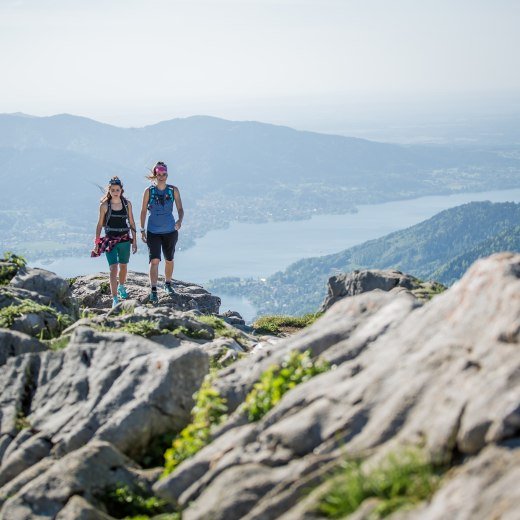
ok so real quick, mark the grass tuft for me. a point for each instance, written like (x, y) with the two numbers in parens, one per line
(401, 482)
(277, 324)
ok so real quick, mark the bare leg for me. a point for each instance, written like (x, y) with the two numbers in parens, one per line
(168, 270)
(123, 269)
(113, 279)
(154, 271)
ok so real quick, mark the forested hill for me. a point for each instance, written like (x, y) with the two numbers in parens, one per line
(439, 248)
(507, 240)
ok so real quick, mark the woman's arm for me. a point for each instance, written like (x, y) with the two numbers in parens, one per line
(144, 209)
(132, 227)
(101, 222)
(178, 204)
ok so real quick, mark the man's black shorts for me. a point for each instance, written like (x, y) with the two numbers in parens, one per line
(165, 241)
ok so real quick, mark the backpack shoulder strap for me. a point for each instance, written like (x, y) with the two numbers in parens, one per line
(108, 213)
(151, 195)
(171, 190)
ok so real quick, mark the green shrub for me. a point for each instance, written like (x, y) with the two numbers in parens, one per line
(275, 324)
(104, 287)
(125, 502)
(401, 481)
(10, 313)
(296, 368)
(209, 411)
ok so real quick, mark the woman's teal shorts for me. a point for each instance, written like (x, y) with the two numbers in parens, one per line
(120, 254)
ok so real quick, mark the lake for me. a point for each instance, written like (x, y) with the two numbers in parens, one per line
(259, 250)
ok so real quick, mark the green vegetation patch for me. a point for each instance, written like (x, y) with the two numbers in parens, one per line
(21, 422)
(58, 343)
(296, 368)
(277, 324)
(104, 287)
(143, 328)
(125, 502)
(209, 412)
(220, 327)
(402, 480)
(14, 262)
(10, 313)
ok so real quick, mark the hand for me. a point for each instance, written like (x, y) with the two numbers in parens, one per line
(134, 247)
(143, 236)
(178, 225)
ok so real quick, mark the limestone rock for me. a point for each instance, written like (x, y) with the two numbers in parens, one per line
(47, 284)
(358, 282)
(86, 472)
(116, 387)
(14, 343)
(93, 291)
(443, 376)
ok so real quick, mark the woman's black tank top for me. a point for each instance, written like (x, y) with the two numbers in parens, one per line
(117, 225)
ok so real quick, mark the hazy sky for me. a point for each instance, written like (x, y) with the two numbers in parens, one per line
(133, 62)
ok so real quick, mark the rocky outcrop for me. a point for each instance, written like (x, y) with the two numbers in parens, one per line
(440, 375)
(73, 486)
(37, 302)
(443, 376)
(13, 343)
(358, 282)
(115, 387)
(93, 291)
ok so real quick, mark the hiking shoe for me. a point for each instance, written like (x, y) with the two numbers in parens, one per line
(115, 301)
(153, 297)
(121, 292)
(169, 289)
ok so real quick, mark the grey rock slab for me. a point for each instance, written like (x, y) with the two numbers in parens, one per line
(44, 283)
(77, 508)
(116, 387)
(13, 486)
(13, 343)
(358, 282)
(338, 324)
(443, 376)
(91, 291)
(87, 471)
(227, 501)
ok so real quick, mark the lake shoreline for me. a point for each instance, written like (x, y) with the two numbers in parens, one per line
(246, 250)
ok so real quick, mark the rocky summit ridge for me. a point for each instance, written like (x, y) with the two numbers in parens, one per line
(91, 399)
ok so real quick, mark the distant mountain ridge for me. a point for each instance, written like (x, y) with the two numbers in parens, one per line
(226, 170)
(438, 248)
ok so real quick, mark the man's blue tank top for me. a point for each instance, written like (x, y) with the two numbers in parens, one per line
(160, 212)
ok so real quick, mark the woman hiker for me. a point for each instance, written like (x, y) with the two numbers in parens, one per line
(162, 229)
(115, 215)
